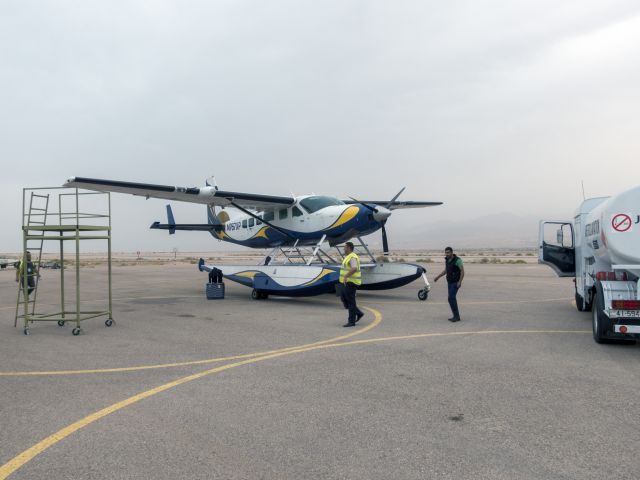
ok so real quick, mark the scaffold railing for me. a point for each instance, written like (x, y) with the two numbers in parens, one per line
(68, 223)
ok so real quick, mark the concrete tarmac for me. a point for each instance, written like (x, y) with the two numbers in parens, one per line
(185, 387)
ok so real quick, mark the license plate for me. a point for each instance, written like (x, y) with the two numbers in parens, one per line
(624, 314)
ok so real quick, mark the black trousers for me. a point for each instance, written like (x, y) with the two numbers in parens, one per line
(453, 301)
(31, 284)
(348, 297)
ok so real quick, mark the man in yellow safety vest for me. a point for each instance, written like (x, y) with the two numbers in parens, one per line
(351, 279)
(31, 273)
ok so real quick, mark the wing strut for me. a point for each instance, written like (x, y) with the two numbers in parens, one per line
(261, 219)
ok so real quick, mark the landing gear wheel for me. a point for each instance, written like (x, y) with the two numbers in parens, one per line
(423, 294)
(61, 323)
(255, 294)
(108, 322)
(75, 331)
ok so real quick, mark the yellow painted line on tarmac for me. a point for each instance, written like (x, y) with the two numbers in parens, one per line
(14, 464)
(463, 302)
(376, 321)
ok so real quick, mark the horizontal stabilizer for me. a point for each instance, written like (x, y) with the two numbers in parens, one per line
(203, 227)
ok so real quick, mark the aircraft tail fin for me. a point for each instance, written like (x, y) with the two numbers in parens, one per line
(171, 221)
(211, 216)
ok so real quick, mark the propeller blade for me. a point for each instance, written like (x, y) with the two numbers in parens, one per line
(395, 198)
(385, 243)
(364, 204)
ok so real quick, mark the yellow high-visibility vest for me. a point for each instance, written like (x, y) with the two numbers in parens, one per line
(356, 277)
(21, 268)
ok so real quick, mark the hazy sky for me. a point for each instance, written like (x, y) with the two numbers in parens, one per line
(488, 106)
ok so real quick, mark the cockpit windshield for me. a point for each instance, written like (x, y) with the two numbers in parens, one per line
(315, 203)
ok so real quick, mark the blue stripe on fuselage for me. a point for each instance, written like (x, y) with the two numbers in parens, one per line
(363, 223)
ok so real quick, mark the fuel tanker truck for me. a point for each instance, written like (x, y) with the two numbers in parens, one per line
(600, 248)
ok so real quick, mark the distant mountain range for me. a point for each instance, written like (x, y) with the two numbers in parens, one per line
(504, 230)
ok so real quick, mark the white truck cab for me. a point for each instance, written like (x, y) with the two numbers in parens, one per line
(600, 248)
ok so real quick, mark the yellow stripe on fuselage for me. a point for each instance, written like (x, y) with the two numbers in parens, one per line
(262, 233)
(344, 217)
(250, 274)
(324, 273)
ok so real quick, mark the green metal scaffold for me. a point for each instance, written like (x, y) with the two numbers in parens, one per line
(72, 225)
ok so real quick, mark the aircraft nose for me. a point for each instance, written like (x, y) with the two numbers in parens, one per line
(381, 214)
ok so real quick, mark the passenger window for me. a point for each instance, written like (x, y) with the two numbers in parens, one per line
(251, 222)
(296, 212)
(244, 224)
(282, 214)
(269, 216)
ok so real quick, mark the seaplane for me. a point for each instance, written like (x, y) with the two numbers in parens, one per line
(299, 232)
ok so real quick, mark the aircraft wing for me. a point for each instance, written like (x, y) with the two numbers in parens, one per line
(395, 205)
(205, 195)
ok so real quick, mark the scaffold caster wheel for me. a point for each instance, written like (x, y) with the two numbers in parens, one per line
(255, 294)
(61, 323)
(108, 322)
(26, 331)
(76, 331)
(423, 294)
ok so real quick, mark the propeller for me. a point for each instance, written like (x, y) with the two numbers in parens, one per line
(364, 204)
(385, 243)
(381, 214)
(395, 198)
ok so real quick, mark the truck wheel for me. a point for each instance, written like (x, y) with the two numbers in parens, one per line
(580, 303)
(601, 323)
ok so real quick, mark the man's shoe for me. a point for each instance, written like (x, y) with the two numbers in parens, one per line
(454, 319)
(359, 316)
(349, 324)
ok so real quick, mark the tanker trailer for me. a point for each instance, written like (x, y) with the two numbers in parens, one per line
(600, 248)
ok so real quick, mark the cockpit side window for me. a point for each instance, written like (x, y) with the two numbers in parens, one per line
(314, 203)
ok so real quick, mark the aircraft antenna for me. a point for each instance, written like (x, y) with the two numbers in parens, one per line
(584, 197)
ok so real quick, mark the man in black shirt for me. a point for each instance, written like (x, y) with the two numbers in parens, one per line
(454, 270)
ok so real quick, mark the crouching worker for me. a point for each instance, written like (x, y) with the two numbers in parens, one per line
(351, 279)
(215, 275)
